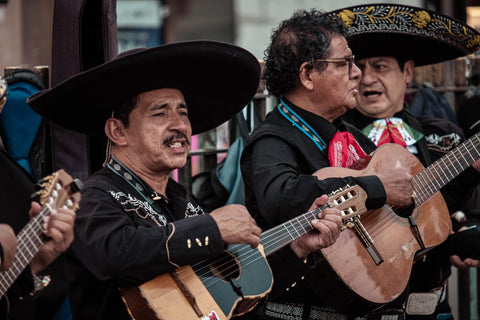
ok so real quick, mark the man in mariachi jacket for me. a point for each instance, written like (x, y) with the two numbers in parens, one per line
(388, 41)
(135, 222)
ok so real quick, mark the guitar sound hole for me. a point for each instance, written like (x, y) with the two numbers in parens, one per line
(226, 266)
(405, 211)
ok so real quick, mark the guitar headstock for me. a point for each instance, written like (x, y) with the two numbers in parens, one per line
(59, 190)
(350, 200)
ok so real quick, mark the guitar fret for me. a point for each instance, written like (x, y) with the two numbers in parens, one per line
(431, 179)
(416, 187)
(307, 222)
(439, 179)
(433, 182)
(422, 181)
(472, 149)
(296, 226)
(16, 270)
(276, 238)
(31, 237)
(452, 174)
(465, 162)
(303, 229)
(286, 228)
(468, 152)
(3, 287)
(9, 276)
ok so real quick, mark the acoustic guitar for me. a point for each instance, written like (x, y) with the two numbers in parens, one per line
(370, 263)
(231, 284)
(55, 191)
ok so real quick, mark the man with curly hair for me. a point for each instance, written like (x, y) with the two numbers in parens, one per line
(310, 69)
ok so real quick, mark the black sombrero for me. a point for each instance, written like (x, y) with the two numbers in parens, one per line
(406, 32)
(217, 80)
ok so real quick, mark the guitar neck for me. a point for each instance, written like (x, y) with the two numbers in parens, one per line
(30, 239)
(278, 237)
(433, 178)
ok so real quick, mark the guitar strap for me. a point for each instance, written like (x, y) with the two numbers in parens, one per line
(301, 125)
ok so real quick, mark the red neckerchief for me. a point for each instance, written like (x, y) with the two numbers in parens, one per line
(344, 151)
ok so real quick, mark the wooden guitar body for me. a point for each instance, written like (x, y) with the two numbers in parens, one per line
(210, 283)
(362, 284)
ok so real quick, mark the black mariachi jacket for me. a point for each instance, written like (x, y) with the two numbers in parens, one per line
(123, 237)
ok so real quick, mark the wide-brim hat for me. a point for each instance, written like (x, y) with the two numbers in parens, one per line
(217, 80)
(406, 32)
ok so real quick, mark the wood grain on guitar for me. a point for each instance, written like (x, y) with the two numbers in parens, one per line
(232, 283)
(56, 190)
(348, 270)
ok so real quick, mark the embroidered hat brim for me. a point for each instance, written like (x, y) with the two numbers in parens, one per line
(217, 80)
(406, 32)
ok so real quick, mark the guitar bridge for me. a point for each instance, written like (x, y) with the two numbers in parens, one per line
(364, 237)
(186, 293)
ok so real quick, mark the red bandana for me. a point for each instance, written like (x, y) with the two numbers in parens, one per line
(344, 151)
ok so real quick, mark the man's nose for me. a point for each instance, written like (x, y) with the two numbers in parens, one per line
(180, 123)
(356, 73)
(368, 75)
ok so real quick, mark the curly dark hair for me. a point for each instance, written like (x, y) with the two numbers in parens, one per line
(305, 36)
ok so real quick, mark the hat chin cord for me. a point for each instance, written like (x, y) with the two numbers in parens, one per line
(108, 149)
(108, 153)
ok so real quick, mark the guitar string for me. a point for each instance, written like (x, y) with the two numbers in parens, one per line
(30, 239)
(248, 256)
(458, 153)
(267, 242)
(21, 259)
(246, 253)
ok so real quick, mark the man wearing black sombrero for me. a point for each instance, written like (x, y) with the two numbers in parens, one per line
(134, 222)
(388, 40)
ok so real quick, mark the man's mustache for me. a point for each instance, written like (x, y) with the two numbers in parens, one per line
(178, 135)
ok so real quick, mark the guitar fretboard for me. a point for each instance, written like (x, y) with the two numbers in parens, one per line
(30, 239)
(433, 178)
(278, 237)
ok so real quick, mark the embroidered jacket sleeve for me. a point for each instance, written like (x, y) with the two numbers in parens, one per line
(119, 238)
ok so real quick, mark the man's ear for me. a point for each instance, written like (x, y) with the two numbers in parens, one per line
(115, 131)
(304, 75)
(408, 69)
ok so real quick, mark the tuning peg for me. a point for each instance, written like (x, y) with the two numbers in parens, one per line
(76, 185)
